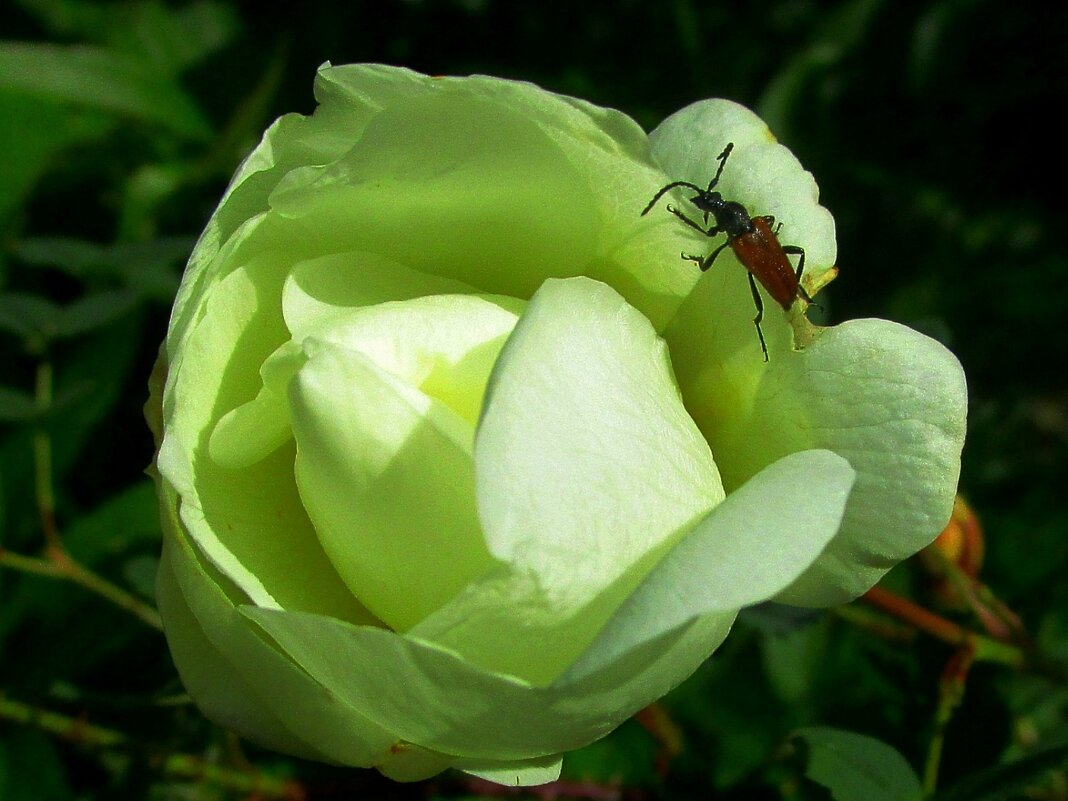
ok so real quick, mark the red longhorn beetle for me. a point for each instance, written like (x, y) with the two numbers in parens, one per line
(751, 238)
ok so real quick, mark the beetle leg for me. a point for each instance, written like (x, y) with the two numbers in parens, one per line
(711, 257)
(713, 231)
(798, 251)
(759, 315)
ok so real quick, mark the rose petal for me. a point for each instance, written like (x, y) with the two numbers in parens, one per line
(387, 476)
(475, 713)
(891, 401)
(209, 678)
(456, 183)
(514, 774)
(326, 723)
(254, 430)
(250, 523)
(750, 547)
(322, 289)
(588, 467)
(409, 763)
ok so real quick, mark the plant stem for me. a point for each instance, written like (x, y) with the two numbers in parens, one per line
(951, 686)
(985, 648)
(57, 562)
(177, 766)
(42, 460)
(70, 729)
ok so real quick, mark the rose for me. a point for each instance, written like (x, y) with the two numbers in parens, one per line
(461, 465)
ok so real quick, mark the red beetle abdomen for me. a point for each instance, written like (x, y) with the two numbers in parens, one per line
(760, 253)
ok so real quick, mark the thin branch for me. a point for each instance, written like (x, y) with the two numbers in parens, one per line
(249, 781)
(57, 562)
(986, 649)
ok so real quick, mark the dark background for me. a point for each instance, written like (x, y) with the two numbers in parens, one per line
(934, 132)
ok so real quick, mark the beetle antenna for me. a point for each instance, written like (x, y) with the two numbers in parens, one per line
(667, 189)
(722, 159)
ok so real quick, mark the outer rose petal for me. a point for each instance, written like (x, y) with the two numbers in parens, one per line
(479, 714)
(750, 547)
(250, 523)
(891, 401)
(327, 725)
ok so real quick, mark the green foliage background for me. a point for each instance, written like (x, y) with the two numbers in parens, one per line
(931, 130)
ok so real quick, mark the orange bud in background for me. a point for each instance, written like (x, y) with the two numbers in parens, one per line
(960, 543)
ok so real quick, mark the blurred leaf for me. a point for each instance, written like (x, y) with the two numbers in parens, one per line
(16, 406)
(773, 618)
(98, 78)
(1003, 782)
(128, 519)
(103, 358)
(94, 311)
(151, 268)
(29, 317)
(122, 525)
(140, 574)
(170, 39)
(794, 659)
(858, 768)
(30, 770)
(38, 321)
(842, 30)
(68, 18)
(737, 719)
(146, 189)
(934, 25)
(627, 758)
(54, 128)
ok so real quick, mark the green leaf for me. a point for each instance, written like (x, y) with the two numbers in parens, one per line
(794, 659)
(168, 38)
(16, 406)
(38, 321)
(54, 126)
(171, 39)
(150, 268)
(30, 768)
(1003, 782)
(27, 316)
(98, 78)
(128, 518)
(858, 768)
(94, 311)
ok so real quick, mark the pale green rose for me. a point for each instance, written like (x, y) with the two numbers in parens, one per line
(460, 463)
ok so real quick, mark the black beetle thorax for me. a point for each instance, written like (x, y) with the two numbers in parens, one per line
(731, 218)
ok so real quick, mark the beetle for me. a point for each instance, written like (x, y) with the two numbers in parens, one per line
(754, 242)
